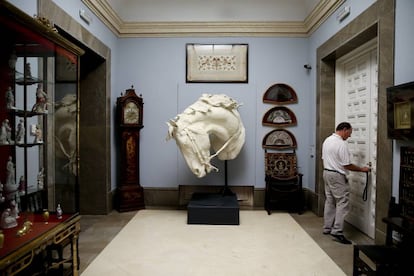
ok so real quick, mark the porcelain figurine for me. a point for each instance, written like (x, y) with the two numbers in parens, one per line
(38, 135)
(14, 209)
(20, 132)
(41, 100)
(22, 186)
(59, 212)
(11, 187)
(40, 179)
(27, 71)
(10, 103)
(5, 133)
(7, 221)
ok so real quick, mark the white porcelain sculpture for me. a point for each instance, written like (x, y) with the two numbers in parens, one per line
(7, 220)
(11, 186)
(211, 122)
(41, 100)
(38, 135)
(5, 133)
(20, 132)
(10, 104)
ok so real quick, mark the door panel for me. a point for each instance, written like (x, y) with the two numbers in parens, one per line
(357, 89)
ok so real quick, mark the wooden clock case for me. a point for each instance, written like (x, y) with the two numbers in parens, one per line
(130, 194)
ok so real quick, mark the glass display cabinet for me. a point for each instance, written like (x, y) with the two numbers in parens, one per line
(39, 72)
(39, 114)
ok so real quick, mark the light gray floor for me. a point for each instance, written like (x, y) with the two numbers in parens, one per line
(98, 231)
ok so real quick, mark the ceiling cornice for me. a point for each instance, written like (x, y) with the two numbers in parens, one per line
(121, 28)
(320, 13)
(179, 29)
(106, 14)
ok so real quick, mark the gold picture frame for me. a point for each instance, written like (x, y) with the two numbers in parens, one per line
(402, 115)
(217, 63)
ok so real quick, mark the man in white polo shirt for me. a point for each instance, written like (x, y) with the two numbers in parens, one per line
(337, 162)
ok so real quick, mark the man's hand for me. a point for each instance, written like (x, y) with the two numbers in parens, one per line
(365, 169)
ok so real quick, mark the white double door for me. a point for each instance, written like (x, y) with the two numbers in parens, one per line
(357, 103)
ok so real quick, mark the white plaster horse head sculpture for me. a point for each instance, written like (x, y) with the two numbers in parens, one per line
(213, 121)
(65, 132)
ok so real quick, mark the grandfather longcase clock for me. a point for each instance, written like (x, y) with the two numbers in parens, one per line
(130, 194)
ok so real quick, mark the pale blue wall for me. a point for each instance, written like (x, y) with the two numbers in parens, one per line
(156, 68)
(330, 27)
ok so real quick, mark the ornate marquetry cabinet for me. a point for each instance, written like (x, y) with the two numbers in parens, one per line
(39, 159)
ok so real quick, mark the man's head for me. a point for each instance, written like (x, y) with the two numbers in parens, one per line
(344, 130)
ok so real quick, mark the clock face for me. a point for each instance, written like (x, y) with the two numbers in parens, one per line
(131, 113)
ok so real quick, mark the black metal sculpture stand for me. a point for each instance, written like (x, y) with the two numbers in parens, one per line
(226, 190)
(208, 208)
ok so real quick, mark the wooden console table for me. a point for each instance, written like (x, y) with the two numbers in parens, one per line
(32, 251)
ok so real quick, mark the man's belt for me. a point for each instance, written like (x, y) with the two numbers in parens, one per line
(333, 171)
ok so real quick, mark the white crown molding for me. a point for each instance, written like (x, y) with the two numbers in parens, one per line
(106, 14)
(186, 29)
(320, 13)
(110, 18)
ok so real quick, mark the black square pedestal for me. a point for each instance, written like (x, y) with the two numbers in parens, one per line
(205, 208)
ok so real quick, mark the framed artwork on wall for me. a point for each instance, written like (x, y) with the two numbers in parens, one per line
(279, 139)
(217, 63)
(402, 115)
(400, 111)
(280, 93)
(279, 116)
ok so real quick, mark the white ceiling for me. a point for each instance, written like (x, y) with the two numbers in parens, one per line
(213, 10)
(165, 18)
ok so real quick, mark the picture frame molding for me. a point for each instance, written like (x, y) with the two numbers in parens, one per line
(216, 63)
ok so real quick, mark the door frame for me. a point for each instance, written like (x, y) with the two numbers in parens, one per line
(95, 189)
(377, 21)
